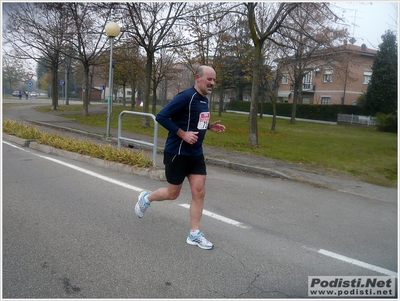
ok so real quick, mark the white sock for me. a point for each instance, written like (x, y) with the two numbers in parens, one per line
(194, 232)
(146, 200)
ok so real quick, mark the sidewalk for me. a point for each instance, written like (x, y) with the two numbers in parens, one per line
(256, 164)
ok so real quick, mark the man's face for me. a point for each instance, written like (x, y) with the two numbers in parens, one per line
(206, 82)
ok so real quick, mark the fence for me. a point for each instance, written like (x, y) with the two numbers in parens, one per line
(357, 119)
(155, 134)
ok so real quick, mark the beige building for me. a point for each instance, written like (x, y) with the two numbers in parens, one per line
(339, 77)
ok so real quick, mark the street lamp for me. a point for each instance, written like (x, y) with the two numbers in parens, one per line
(112, 30)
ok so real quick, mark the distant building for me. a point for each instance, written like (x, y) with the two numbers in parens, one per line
(95, 93)
(338, 79)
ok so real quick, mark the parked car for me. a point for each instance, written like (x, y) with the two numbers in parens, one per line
(15, 93)
(33, 94)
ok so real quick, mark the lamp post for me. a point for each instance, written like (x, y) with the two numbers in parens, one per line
(112, 30)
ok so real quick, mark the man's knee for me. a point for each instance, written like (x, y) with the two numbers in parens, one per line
(173, 195)
(173, 191)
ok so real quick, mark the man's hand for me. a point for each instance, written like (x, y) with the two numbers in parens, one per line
(217, 127)
(189, 137)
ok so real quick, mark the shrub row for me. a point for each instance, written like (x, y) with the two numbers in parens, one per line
(95, 150)
(306, 111)
(387, 123)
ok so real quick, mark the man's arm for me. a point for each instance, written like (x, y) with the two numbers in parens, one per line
(216, 127)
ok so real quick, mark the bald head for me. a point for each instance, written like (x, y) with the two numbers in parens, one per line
(205, 80)
(201, 69)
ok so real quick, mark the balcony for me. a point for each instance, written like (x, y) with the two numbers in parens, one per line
(308, 87)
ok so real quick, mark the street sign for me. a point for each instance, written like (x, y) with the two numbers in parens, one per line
(30, 76)
(30, 84)
(62, 82)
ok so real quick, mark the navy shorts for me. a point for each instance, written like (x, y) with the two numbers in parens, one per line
(177, 167)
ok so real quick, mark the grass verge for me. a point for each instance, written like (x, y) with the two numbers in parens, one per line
(95, 150)
(358, 152)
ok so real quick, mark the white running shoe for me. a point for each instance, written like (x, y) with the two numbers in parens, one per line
(200, 241)
(141, 205)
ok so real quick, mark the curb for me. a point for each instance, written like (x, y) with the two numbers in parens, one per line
(20, 141)
(247, 168)
(152, 173)
(209, 160)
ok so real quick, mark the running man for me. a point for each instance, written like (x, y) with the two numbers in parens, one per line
(187, 119)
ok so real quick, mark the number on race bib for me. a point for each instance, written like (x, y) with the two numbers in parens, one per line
(204, 119)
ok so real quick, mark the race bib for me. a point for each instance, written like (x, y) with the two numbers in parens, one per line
(204, 119)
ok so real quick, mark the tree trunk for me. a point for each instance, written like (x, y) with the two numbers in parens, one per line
(273, 125)
(294, 105)
(54, 90)
(85, 111)
(221, 101)
(133, 97)
(253, 130)
(146, 105)
(154, 102)
(67, 85)
(123, 96)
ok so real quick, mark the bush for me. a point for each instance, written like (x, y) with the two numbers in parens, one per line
(20, 130)
(306, 111)
(387, 123)
(95, 150)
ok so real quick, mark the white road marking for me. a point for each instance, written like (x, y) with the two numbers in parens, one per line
(220, 218)
(113, 181)
(213, 215)
(88, 172)
(358, 263)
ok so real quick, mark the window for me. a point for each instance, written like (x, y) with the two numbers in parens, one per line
(367, 77)
(328, 76)
(325, 100)
(285, 78)
(307, 81)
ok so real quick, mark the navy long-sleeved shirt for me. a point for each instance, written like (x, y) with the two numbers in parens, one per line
(188, 111)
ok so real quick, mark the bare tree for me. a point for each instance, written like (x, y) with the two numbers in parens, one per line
(154, 26)
(161, 68)
(87, 37)
(209, 27)
(264, 20)
(37, 31)
(14, 72)
(308, 30)
(128, 68)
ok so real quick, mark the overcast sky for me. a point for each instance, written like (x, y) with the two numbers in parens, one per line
(369, 20)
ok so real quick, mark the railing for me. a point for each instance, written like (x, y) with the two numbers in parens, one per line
(305, 87)
(155, 134)
(357, 119)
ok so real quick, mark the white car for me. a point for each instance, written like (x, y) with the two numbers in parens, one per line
(33, 94)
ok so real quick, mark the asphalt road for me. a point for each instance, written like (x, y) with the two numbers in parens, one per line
(70, 231)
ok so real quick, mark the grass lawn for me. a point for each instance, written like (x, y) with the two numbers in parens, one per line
(363, 152)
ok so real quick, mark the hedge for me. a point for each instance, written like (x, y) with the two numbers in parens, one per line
(306, 111)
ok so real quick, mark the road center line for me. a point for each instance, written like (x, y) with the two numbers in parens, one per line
(358, 263)
(220, 218)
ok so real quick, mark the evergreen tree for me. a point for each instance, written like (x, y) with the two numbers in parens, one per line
(381, 95)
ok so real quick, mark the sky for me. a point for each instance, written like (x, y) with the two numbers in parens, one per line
(369, 20)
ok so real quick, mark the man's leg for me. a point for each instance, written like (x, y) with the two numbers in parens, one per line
(197, 187)
(171, 192)
(196, 237)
